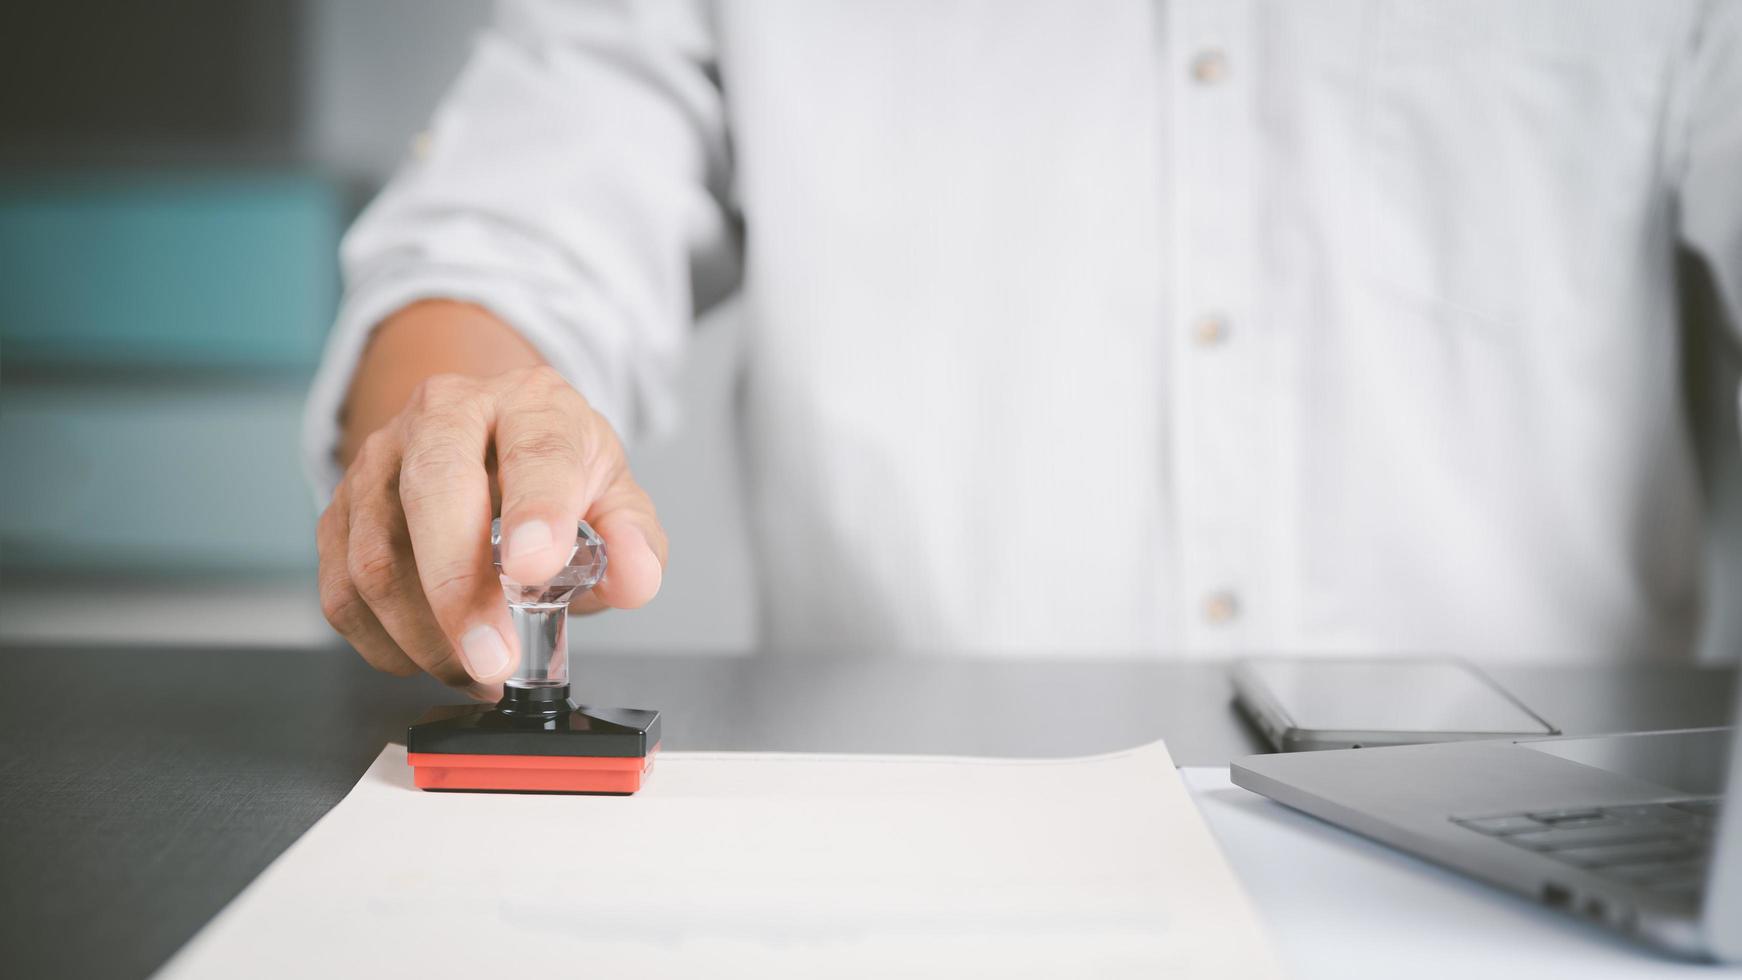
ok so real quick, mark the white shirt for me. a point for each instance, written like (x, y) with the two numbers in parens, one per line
(1180, 327)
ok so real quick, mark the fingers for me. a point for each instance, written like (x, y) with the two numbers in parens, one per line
(444, 492)
(405, 569)
(546, 475)
(635, 545)
(342, 605)
(383, 570)
(558, 460)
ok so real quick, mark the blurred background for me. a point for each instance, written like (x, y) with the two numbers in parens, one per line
(171, 202)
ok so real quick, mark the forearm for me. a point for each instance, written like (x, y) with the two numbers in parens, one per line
(424, 339)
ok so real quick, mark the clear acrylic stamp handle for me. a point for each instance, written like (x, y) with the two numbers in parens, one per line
(540, 611)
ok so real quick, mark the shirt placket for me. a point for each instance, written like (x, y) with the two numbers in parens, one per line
(1220, 444)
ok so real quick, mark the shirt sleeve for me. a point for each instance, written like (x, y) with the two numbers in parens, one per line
(1710, 169)
(573, 182)
(1709, 220)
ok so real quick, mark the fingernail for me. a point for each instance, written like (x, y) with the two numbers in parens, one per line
(483, 651)
(529, 539)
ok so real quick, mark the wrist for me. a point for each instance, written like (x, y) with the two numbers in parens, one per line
(420, 341)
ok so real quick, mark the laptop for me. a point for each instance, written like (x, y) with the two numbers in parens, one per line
(1627, 831)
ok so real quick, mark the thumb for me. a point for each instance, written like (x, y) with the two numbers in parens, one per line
(635, 547)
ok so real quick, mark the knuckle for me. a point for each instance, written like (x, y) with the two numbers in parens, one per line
(432, 459)
(536, 447)
(539, 387)
(372, 565)
(373, 448)
(425, 499)
(440, 389)
(447, 587)
(543, 377)
(444, 426)
(456, 416)
(341, 605)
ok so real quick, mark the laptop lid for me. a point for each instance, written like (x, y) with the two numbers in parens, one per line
(1721, 915)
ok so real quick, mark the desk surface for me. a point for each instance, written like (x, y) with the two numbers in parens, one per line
(140, 790)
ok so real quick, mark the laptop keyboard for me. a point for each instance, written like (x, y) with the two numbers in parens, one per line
(1663, 847)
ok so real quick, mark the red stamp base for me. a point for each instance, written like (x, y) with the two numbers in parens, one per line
(530, 773)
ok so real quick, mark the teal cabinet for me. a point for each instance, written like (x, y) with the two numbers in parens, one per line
(167, 271)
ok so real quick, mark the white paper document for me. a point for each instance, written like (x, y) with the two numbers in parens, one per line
(737, 864)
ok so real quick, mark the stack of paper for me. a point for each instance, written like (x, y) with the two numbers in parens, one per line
(756, 865)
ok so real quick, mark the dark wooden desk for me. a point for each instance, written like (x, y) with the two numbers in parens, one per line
(140, 790)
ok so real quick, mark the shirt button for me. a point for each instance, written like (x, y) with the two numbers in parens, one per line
(1210, 331)
(1220, 607)
(1209, 67)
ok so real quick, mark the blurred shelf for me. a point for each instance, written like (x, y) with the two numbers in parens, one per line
(159, 480)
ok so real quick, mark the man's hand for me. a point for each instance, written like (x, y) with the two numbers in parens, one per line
(405, 569)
